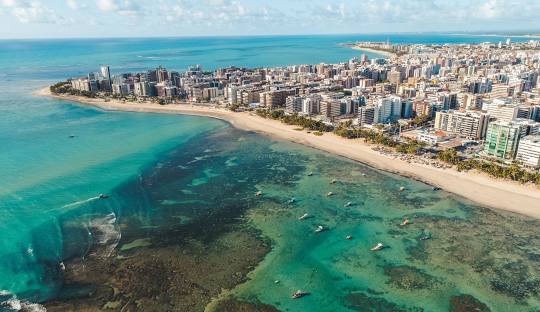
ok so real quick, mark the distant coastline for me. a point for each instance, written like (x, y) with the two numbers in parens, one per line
(479, 188)
(387, 54)
(531, 36)
(381, 52)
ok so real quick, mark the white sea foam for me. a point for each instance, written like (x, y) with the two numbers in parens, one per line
(106, 232)
(15, 304)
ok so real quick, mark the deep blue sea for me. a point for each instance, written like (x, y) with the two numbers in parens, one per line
(49, 183)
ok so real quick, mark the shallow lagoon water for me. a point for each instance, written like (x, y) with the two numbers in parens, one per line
(474, 257)
(474, 251)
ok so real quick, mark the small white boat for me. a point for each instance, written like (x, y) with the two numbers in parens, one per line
(363, 174)
(330, 194)
(299, 294)
(62, 266)
(320, 229)
(347, 204)
(304, 216)
(401, 189)
(405, 222)
(310, 174)
(291, 201)
(378, 247)
(276, 282)
(103, 196)
(259, 193)
(333, 181)
(348, 237)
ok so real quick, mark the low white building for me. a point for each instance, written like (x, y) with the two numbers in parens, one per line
(529, 151)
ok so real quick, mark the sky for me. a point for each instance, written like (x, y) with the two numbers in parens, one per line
(148, 18)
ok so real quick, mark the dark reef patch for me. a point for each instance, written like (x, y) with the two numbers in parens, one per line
(232, 305)
(467, 303)
(409, 278)
(365, 303)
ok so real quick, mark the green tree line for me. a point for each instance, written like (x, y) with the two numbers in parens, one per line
(450, 156)
(512, 172)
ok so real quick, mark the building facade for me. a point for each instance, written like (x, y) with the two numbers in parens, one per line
(502, 140)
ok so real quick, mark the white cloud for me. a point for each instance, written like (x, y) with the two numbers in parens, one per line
(107, 5)
(122, 7)
(13, 3)
(72, 4)
(283, 16)
(33, 12)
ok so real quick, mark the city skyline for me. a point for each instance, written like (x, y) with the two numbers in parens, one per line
(184, 18)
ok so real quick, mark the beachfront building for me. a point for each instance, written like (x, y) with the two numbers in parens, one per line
(387, 109)
(82, 84)
(275, 98)
(121, 88)
(311, 105)
(366, 115)
(330, 108)
(294, 104)
(144, 88)
(471, 125)
(502, 139)
(529, 151)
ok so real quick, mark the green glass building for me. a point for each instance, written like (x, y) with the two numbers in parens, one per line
(502, 139)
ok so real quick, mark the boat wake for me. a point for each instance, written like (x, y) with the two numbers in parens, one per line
(78, 203)
(10, 302)
(106, 233)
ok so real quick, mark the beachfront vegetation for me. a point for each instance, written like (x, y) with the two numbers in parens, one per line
(449, 156)
(495, 169)
(296, 120)
(378, 137)
(64, 87)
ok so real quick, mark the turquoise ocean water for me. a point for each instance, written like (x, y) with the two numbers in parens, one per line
(49, 182)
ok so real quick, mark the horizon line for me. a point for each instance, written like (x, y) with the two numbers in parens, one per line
(501, 33)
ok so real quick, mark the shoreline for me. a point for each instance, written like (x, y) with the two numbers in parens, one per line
(386, 54)
(476, 187)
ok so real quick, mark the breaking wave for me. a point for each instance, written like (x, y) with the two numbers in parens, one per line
(10, 302)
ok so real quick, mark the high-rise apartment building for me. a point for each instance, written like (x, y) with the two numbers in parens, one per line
(502, 139)
(529, 151)
(471, 125)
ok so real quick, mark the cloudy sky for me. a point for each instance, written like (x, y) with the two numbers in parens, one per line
(144, 18)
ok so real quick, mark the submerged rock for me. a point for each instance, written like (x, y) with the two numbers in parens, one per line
(410, 278)
(467, 303)
(233, 305)
(362, 302)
